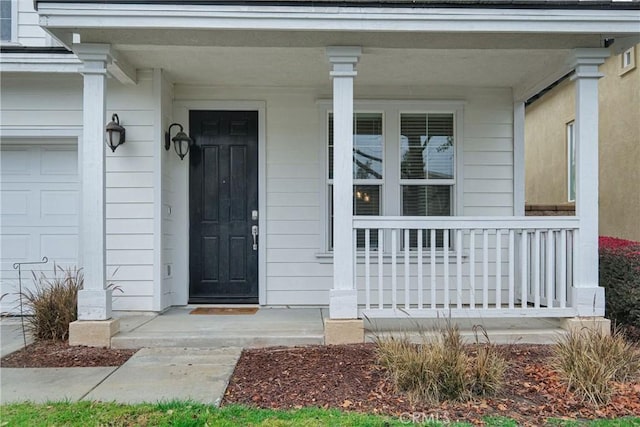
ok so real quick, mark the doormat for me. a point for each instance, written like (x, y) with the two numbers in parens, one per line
(224, 310)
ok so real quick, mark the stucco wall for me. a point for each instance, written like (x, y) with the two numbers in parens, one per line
(619, 148)
(546, 147)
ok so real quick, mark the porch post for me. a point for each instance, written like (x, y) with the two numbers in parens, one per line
(587, 297)
(343, 302)
(94, 326)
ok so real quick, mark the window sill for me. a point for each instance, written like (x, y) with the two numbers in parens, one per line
(327, 257)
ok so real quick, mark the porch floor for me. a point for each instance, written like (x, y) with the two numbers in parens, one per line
(280, 326)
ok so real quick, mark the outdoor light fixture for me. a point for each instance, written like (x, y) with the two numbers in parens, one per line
(115, 133)
(181, 142)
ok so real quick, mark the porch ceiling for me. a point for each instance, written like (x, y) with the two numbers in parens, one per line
(308, 66)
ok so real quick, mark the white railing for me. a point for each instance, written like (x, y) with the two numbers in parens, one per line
(461, 266)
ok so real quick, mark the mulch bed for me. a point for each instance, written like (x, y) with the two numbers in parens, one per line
(58, 354)
(347, 377)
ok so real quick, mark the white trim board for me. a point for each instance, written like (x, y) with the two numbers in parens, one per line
(181, 110)
(335, 18)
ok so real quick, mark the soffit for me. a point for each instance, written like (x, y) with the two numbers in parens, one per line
(308, 67)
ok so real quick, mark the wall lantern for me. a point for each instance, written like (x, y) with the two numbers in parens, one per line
(181, 142)
(115, 133)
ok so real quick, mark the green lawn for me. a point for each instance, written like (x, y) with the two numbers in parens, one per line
(194, 414)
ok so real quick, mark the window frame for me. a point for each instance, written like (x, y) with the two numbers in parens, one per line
(570, 133)
(390, 184)
(625, 66)
(14, 25)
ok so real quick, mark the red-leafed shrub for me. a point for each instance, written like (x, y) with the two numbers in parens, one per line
(620, 275)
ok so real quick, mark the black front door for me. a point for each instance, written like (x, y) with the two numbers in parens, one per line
(223, 207)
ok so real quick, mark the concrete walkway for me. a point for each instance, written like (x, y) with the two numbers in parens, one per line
(151, 375)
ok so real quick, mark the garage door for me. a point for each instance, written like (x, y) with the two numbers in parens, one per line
(38, 210)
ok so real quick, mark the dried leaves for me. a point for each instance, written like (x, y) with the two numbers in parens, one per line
(347, 378)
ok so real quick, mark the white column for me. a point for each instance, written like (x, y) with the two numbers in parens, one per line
(518, 159)
(343, 301)
(94, 301)
(587, 297)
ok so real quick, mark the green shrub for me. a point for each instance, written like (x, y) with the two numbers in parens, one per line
(620, 276)
(52, 304)
(590, 361)
(441, 367)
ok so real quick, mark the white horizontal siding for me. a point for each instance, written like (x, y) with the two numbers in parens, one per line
(31, 103)
(125, 241)
(292, 199)
(299, 241)
(287, 185)
(488, 153)
(130, 210)
(130, 164)
(129, 195)
(280, 227)
(130, 257)
(29, 32)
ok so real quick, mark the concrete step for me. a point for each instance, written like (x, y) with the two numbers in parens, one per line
(500, 331)
(496, 336)
(204, 340)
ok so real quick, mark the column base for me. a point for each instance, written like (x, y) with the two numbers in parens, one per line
(343, 331)
(343, 304)
(93, 333)
(597, 324)
(94, 304)
(589, 301)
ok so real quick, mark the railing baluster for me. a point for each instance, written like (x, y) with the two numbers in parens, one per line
(498, 268)
(367, 268)
(512, 268)
(536, 269)
(459, 268)
(535, 253)
(573, 241)
(380, 269)
(563, 269)
(551, 268)
(485, 268)
(394, 269)
(407, 275)
(419, 261)
(433, 268)
(524, 245)
(445, 247)
(355, 259)
(472, 269)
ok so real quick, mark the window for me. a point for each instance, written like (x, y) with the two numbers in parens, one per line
(404, 163)
(427, 168)
(627, 60)
(6, 18)
(368, 168)
(571, 162)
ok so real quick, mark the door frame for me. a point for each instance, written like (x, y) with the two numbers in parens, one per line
(180, 213)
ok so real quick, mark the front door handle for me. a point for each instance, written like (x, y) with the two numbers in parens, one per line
(254, 233)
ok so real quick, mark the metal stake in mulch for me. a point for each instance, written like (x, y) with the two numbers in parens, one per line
(18, 266)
